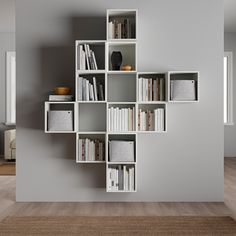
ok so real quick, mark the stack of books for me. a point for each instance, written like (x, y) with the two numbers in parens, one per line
(90, 91)
(120, 29)
(91, 150)
(60, 98)
(87, 59)
(121, 177)
(151, 120)
(121, 119)
(151, 89)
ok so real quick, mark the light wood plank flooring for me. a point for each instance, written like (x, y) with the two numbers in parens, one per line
(8, 206)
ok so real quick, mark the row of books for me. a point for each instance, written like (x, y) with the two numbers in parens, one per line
(61, 98)
(91, 150)
(121, 177)
(121, 119)
(151, 120)
(151, 89)
(120, 29)
(87, 59)
(90, 91)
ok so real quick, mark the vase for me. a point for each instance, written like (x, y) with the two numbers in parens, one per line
(116, 60)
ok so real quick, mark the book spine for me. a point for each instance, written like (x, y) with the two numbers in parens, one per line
(95, 89)
(139, 119)
(80, 150)
(112, 119)
(87, 56)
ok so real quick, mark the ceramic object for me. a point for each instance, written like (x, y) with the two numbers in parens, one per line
(62, 90)
(126, 67)
(116, 60)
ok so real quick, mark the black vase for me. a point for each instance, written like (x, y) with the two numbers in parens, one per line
(116, 60)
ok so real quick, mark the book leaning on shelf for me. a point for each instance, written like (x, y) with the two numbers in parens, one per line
(121, 177)
(151, 120)
(91, 150)
(151, 89)
(87, 59)
(90, 91)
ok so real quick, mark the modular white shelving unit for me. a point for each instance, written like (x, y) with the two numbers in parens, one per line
(121, 89)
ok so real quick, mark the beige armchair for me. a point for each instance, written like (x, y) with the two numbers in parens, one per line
(10, 144)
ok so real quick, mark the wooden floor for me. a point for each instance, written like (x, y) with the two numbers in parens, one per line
(9, 207)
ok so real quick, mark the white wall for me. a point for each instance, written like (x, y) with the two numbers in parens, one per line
(230, 131)
(186, 164)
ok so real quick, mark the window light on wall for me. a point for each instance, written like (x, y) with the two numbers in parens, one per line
(228, 88)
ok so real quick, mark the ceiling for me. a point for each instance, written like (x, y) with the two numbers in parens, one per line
(7, 16)
(230, 15)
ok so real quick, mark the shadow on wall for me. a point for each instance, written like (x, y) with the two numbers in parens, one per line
(57, 68)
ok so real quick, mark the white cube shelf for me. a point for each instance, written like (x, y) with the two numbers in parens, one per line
(121, 24)
(60, 107)
(128, 51)
(183, 86)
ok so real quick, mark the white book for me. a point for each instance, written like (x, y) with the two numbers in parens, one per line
(95, 89)
(80, 149)
(87, 90)
(115, 120)
(112, 119)
(143, 121)
(155, 119)
(80, 82)
(120, 120)
(94, 60)
(124, 178)
(91, 93)
(109, 119)
(84, 89)
(109, 179)
(144, 90)
(162, 119)
(86, 149)
(134, 128)
(127, 179)
(87, 56)
(79, 56)
(140, 89)
(110, 30)
(126, 119)
(130, 119)
(83, 60)
(132, 179)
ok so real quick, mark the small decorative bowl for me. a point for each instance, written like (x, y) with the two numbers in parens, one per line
(126, 67)
(62, 90)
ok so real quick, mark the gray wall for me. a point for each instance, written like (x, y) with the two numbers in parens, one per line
(230, 131)
(7, 43)
(186, 164)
